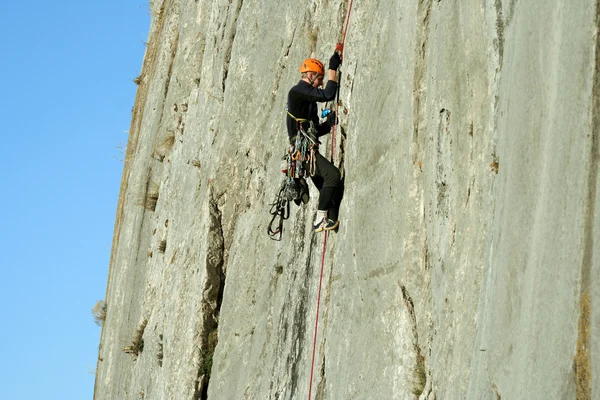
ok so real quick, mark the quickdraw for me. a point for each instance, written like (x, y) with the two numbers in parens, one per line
(280, 210)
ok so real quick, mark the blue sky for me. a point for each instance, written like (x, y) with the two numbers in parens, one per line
(67, 68)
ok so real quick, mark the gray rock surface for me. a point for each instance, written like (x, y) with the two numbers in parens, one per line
(467, 261)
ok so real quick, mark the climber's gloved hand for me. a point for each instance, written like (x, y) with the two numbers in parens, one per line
(332, 119)
(335, 61)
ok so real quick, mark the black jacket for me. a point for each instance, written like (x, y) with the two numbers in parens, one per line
(302, 103)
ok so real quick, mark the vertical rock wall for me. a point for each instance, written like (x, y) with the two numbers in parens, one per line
(467, 259)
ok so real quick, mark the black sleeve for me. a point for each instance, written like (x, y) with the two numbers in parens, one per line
(323, 129)
(313, 94)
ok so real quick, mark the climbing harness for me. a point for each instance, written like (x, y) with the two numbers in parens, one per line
(297, 164)
(305, 146)
(339, 48)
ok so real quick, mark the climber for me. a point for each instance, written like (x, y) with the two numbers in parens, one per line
(303, 116)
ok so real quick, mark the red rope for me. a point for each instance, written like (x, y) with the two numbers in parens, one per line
(347, 21)
(312, 366)
(337, 102)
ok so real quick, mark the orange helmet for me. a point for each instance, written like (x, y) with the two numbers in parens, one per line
(312, 65)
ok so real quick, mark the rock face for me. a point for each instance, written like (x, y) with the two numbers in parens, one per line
(467, 261)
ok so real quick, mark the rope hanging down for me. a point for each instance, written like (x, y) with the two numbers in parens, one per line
(339, 47)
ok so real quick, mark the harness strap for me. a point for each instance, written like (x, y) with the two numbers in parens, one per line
(299, 120)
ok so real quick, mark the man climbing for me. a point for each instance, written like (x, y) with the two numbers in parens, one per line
(303, 116)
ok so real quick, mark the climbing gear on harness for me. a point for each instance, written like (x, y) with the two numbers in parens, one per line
(291, 189)
(305, 145)
(280, 210)
(294, 164)
(312, 65)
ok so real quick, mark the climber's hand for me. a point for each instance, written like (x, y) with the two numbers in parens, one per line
(335, 61)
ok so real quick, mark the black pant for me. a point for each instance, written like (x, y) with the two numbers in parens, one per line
(331, 191)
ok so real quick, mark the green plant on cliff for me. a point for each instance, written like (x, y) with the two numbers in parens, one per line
(164, 145)
(420, 376)
(583, 368)
(162, 246)
(206, 363)
(207, 355)
(99, 312)
(160, 354)
(137, 346)
(150, 197)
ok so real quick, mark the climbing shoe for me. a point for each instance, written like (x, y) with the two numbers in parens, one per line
(327, 225)
(331, 225)
(319, 226)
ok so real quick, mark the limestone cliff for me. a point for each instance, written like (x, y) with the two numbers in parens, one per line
(466, 265)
